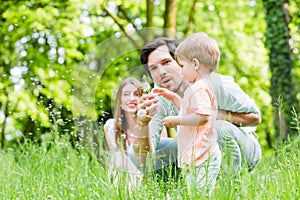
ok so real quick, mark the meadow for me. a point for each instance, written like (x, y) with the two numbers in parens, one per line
(59, 171)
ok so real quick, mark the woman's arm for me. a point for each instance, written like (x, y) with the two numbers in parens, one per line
(141, 137)
(142, 143)
(110, 140)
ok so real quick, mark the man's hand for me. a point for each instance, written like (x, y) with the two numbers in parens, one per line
(239, 119)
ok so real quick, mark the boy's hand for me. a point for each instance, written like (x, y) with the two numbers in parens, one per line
(171, 121)
(175, 98)
(164, 92)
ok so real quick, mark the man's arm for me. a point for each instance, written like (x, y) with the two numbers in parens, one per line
(234, 105)
(239, 119)
(165, 108)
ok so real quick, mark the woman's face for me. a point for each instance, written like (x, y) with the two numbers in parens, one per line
(129, 98)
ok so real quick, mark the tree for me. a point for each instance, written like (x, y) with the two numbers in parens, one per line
(42, 42)
(281, 64)
(51, 52)
(231, 23)
(170, 18)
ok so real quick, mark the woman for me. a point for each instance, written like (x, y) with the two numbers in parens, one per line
(127, 128)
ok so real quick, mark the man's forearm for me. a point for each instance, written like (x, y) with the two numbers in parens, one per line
(239, 119)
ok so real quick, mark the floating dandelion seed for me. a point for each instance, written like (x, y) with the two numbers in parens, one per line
(146, 86)
(141, 113)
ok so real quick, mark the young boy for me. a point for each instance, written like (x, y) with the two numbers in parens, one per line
(198, 150)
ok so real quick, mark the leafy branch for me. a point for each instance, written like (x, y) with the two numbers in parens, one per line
(117, 20)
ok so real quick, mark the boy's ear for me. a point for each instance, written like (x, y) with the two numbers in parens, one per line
(196, 63)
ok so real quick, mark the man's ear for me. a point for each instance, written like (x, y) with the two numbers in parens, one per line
(196, 63)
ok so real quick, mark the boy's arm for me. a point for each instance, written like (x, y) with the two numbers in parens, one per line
(175, 98)
(186, 120)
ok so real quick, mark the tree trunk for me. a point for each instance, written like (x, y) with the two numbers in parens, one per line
(191, 18)
(150, 5)
(281, 63)
(170, 19)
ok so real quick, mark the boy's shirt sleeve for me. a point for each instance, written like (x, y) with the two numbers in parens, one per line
(200, 102)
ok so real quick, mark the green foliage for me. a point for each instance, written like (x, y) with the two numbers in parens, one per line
(238, 27)
(281, 65)
(64, 59)
(32, 58)
(60, 172)
(42, 44)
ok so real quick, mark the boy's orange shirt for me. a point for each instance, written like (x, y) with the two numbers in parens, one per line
(196, 143)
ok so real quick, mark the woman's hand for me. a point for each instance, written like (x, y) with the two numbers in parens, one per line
(147, 107)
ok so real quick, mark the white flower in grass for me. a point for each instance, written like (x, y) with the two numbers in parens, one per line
(60, 122)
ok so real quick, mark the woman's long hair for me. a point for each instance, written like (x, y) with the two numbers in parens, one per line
(119, 114)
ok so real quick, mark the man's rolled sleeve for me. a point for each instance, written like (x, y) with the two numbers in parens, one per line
(165, 108)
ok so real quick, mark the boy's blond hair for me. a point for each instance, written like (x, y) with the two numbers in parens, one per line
(201, 47)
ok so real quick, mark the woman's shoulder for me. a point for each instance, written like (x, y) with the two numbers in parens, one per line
(109, 129)
(109, 126)
(109, 122)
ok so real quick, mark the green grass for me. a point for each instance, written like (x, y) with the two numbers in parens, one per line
(64, 173)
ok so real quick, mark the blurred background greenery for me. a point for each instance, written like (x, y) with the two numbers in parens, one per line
(61, 61)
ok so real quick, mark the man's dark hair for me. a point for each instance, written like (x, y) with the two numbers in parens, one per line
(151, 46)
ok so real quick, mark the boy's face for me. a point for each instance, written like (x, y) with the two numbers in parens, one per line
(164, 70)
(187, 70)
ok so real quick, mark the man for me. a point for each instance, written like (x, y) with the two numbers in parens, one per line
(237, 117)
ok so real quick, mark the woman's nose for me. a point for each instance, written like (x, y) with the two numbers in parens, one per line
(132, 96)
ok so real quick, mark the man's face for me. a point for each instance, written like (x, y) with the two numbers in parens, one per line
(164, 70)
